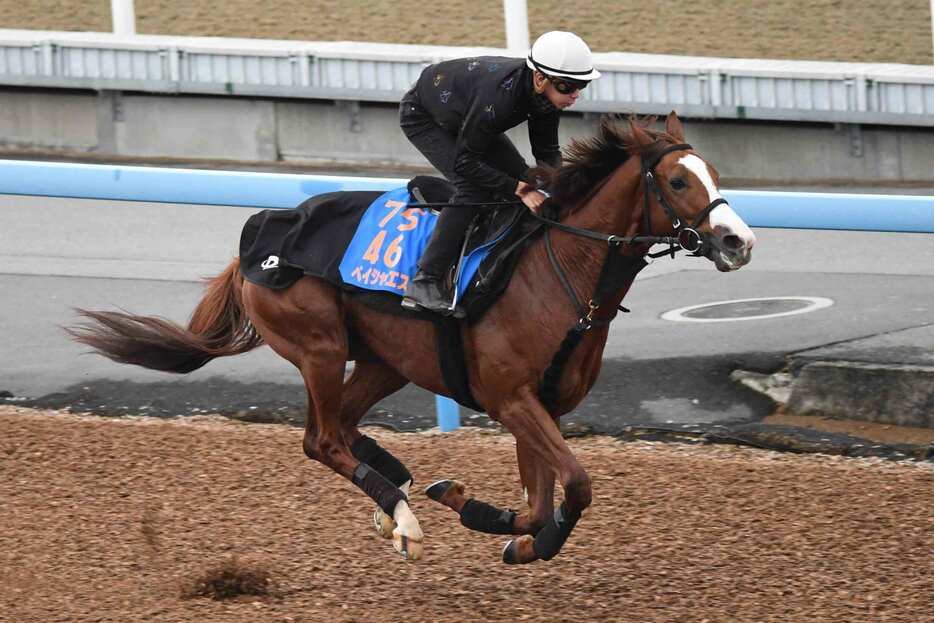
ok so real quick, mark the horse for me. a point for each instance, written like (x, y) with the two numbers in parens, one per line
(617, 193)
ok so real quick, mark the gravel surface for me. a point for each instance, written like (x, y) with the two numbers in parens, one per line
(116, 519)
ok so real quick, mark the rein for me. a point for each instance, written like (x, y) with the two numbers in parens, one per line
(618, 269)
(685, 238)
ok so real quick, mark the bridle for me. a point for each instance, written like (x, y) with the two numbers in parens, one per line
(618, 270)
(687, 236)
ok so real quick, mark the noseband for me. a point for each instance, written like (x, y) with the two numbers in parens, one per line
(687, 236)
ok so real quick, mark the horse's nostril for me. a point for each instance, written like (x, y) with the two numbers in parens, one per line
(732, 243)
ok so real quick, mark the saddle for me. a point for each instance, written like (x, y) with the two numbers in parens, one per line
(320, 238)
(317, 238)
(502, 232)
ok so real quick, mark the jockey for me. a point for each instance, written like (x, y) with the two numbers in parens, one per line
(456, 116)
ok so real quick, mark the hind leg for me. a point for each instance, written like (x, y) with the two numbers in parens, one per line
(371, 381)
(305, 325)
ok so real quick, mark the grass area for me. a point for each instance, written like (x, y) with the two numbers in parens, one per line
(898, 31)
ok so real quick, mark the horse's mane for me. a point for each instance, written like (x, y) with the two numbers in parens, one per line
(589, 161)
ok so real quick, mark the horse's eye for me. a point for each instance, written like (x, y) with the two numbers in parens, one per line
(678, 184)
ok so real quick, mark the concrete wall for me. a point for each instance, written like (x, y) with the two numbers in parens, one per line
(48, 120)
(228, 128)
(113, 124)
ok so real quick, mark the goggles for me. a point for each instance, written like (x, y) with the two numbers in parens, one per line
(566, 86)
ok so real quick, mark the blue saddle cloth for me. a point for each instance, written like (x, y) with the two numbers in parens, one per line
(390, 238)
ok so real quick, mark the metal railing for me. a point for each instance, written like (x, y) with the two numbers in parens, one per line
(807, 91)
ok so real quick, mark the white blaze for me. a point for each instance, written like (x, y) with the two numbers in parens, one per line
(723, 215)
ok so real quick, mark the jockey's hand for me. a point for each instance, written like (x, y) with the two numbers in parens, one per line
(532, 198)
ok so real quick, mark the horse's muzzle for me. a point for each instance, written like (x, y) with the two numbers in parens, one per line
(727, 251)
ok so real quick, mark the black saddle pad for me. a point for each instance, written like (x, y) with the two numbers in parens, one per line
(278, 247)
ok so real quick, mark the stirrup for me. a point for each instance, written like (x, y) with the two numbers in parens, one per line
(413, 305)
(454, 308)
(428, 294)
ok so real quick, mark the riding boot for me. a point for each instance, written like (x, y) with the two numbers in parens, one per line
(427, 291)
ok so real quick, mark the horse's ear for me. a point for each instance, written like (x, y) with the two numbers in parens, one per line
(639, 136)
(674, 128)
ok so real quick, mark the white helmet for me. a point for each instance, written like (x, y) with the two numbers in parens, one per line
(564, 54)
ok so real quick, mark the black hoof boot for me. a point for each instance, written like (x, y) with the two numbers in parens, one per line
(554, 533)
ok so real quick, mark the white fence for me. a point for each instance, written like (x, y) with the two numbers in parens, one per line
(695, 86)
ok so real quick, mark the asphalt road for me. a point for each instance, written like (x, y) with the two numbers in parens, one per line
(59, 254)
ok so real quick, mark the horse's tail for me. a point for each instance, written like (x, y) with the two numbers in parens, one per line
(218, 327)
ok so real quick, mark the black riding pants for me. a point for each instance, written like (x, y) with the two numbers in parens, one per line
(440, 148)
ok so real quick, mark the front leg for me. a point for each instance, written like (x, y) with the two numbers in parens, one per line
(473, 513)
(532, 425)
(538, 483)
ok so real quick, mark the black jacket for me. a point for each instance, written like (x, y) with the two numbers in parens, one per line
(479, 98)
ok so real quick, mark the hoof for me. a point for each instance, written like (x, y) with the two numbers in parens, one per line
(520, 551)
(411, 549)
(383, 523)
(438, 490)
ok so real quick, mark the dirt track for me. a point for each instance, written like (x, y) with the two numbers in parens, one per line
(897, 31)
(109, 520)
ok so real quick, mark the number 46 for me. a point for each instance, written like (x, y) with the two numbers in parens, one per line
(394, 251)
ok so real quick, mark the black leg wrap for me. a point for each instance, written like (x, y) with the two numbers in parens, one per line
(366, 450)
(484, 517)
(383, 492)
(552, 536)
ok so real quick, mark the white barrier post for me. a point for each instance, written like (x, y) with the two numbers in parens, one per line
(517, 25)
(124, 17)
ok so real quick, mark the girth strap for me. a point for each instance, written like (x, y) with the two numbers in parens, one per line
(452, 362)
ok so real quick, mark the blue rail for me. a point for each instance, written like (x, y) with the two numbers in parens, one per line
(161, 185)
(794, 210)
(842, 211)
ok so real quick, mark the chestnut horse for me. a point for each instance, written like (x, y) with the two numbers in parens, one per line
(618, 193)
